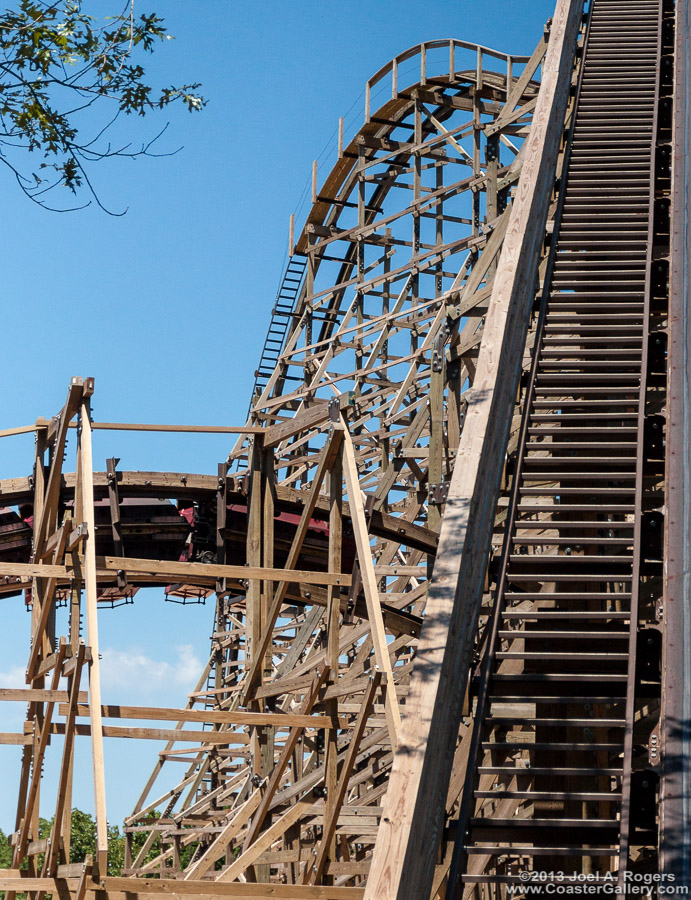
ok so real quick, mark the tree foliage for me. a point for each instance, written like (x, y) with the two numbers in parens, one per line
(5, 851)
(56, 63)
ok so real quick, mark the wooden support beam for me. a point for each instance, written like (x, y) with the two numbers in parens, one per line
(333, 612)
(84, 877)
(311, 697)
(116, 525)
(369, 584)
(406, 849)
(176, 570)
(43, 590)
(266, 839)
(62, 818)
(313, 875)
(146, 888)
(325, 463)
(170, 484)
(238, 820)
(228, 738)
(46, 514)
(217, 716)
(36, 695)
(91, 590)
(43, 728)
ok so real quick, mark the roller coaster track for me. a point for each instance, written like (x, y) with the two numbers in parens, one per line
(448, 551)
(560, 688)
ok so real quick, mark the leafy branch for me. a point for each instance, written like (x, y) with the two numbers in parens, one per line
(56, 62)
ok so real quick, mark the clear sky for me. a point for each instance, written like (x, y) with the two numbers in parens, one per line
(168, 305)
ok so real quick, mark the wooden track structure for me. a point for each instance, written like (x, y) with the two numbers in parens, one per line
(448, 550)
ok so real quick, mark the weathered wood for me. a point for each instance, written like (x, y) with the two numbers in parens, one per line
(344, 773)
(267, 838)
(234, 717)
(158, 734)
(404, 856)
(143, 887)
(325, 464)
(175, 570)
(36, 695)
(311, 697)
(218, 847)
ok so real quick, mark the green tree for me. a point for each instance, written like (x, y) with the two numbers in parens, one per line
(5, 851)
(84, 842)
(65, 77)
(83, 838)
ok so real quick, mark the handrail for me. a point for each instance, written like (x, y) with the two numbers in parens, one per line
(421, 51)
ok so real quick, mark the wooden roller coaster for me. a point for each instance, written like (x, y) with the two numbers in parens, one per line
(449, 550)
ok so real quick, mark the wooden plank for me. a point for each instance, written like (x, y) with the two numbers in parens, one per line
(34, 570)
(21, 429)
(406, 848)
(369, 585)
(175, 570)
(38, 695)
(308, 418)
(9, 737)
(180, 429)
(158, 734)
(232, 717)
(141, 887)
(91, 604)
(43, 613)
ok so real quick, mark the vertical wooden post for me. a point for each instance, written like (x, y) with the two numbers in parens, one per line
(87, 479)
(38, 584)
(436, 433)
(477, 135)
(221, 516)
(268, 511)
(254, 593)
(332, 653)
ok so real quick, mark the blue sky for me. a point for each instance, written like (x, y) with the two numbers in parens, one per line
(168, 306)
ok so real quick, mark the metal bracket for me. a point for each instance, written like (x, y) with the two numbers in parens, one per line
(438, 353)
(438, 492)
